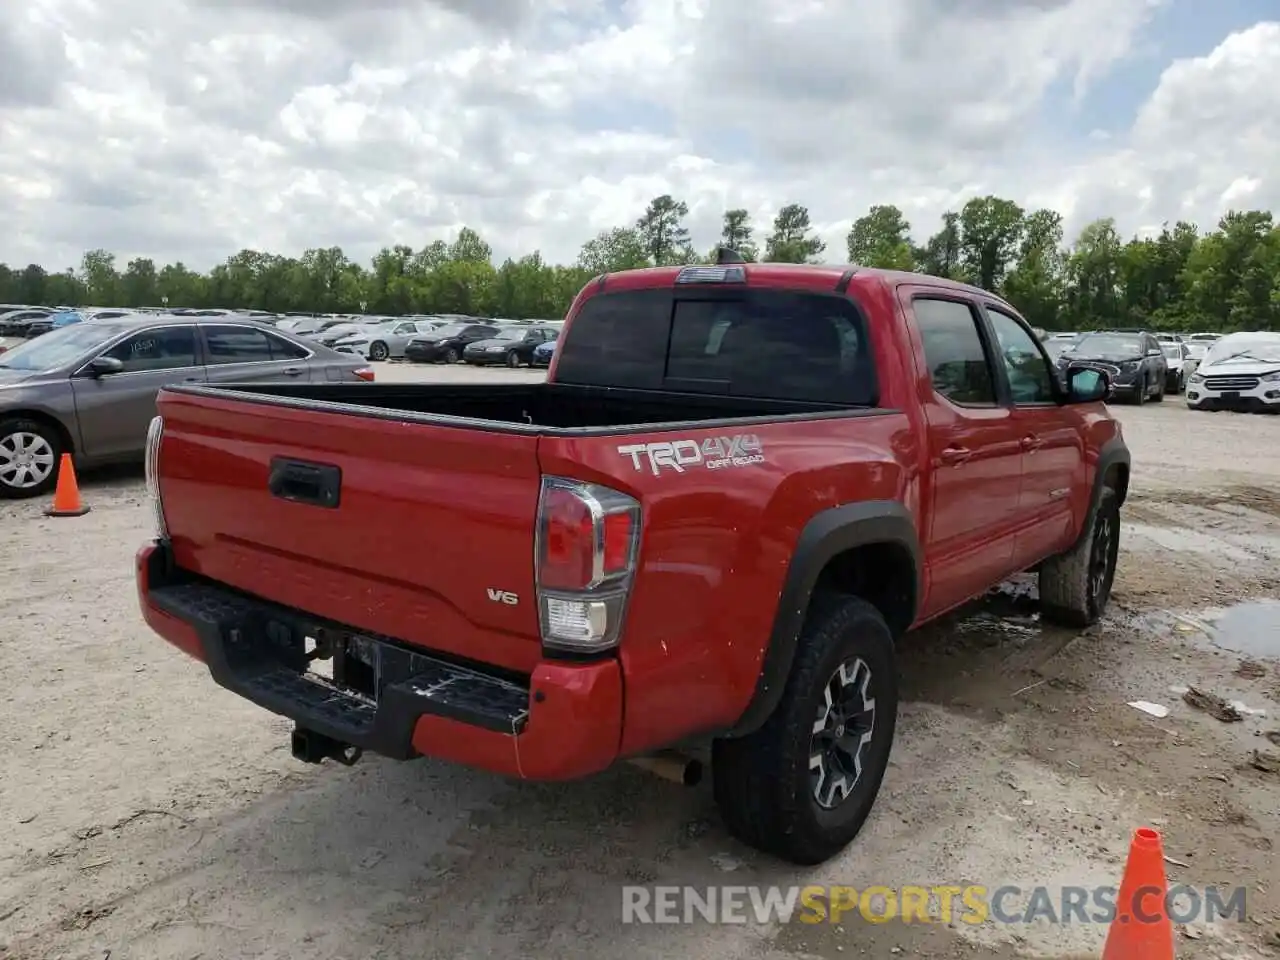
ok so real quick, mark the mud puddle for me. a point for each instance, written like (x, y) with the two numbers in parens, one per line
(1250, 628)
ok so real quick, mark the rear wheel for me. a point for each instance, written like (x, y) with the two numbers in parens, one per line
(802, 785)
(378, 351)
(29, 454)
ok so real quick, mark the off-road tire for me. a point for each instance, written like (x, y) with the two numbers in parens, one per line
(14, 425)
(378, 350)
(1069, 593)
(761, 781)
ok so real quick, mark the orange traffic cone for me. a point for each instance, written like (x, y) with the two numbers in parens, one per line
(1141, 929)
(66, 497)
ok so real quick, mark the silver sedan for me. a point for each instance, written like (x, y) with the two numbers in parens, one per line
(386, 341)
(89, 389)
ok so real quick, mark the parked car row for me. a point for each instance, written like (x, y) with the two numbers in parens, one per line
(509, 343)
(1235, 371)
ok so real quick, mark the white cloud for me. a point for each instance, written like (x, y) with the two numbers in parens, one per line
(197, 128)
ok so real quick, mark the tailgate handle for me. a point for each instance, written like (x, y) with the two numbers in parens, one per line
(319, 484)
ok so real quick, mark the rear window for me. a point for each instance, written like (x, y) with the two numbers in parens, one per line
(770, 344)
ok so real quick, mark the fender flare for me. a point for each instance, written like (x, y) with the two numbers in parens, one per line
(1114, 452)
(827, 534)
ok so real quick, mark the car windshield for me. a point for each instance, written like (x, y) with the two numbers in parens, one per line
(449, 330)
(1109, 345)
(511, 333)
(58, 347)
(1263, 349)
(1172, 350)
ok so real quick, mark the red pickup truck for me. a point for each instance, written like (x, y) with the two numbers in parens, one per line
(739, 485)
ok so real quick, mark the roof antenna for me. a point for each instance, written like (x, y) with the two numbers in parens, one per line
(725, 255)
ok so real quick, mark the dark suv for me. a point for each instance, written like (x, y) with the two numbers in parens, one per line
(1132, 359)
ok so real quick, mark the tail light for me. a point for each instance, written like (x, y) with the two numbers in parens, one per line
(365, 373)
(155, 433)
(587, 545)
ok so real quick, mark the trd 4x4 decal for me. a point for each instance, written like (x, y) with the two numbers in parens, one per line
(714, 453)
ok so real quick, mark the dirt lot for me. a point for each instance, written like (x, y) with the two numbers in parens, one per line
(152, 815)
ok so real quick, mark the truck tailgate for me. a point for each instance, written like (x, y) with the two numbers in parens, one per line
(430, 540)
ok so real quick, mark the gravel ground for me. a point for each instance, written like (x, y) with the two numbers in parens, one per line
(153, 816)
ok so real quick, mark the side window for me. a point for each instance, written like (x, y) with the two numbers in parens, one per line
(773, 344)
(165, 349)
(953, 352)
(406, 328)
(1030, 376)
(246, 345)
(282, 349)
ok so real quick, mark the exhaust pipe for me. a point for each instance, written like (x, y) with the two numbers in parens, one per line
(671, 765)
(311, 747)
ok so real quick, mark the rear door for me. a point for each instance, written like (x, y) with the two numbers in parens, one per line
(975, 459)
(1049, 434)
(239, 353)
(115, 410)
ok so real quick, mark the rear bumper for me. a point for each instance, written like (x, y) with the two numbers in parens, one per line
(562, 722)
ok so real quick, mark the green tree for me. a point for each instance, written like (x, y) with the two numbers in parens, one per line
(139, 283)
(791, 240)
(99, 276)
(1093, 267)
(738, 234)
(611, 250)
(1036, 282)
(990, 231)
(662, 229)
(941, 254)
(882, 239)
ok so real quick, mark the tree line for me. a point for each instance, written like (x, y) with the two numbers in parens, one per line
(1179, 279)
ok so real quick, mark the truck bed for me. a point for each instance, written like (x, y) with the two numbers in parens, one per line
(403, 509)
(539, 408)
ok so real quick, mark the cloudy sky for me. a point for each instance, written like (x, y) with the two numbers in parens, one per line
(192, 128)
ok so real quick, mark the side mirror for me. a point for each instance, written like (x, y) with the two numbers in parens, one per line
(1086, 385)
(102, 366)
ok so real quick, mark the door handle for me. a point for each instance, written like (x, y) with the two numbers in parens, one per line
(1031, 442)
(954, 456)
(292, 371)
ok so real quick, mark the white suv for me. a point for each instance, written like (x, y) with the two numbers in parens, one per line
(1239, 372)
